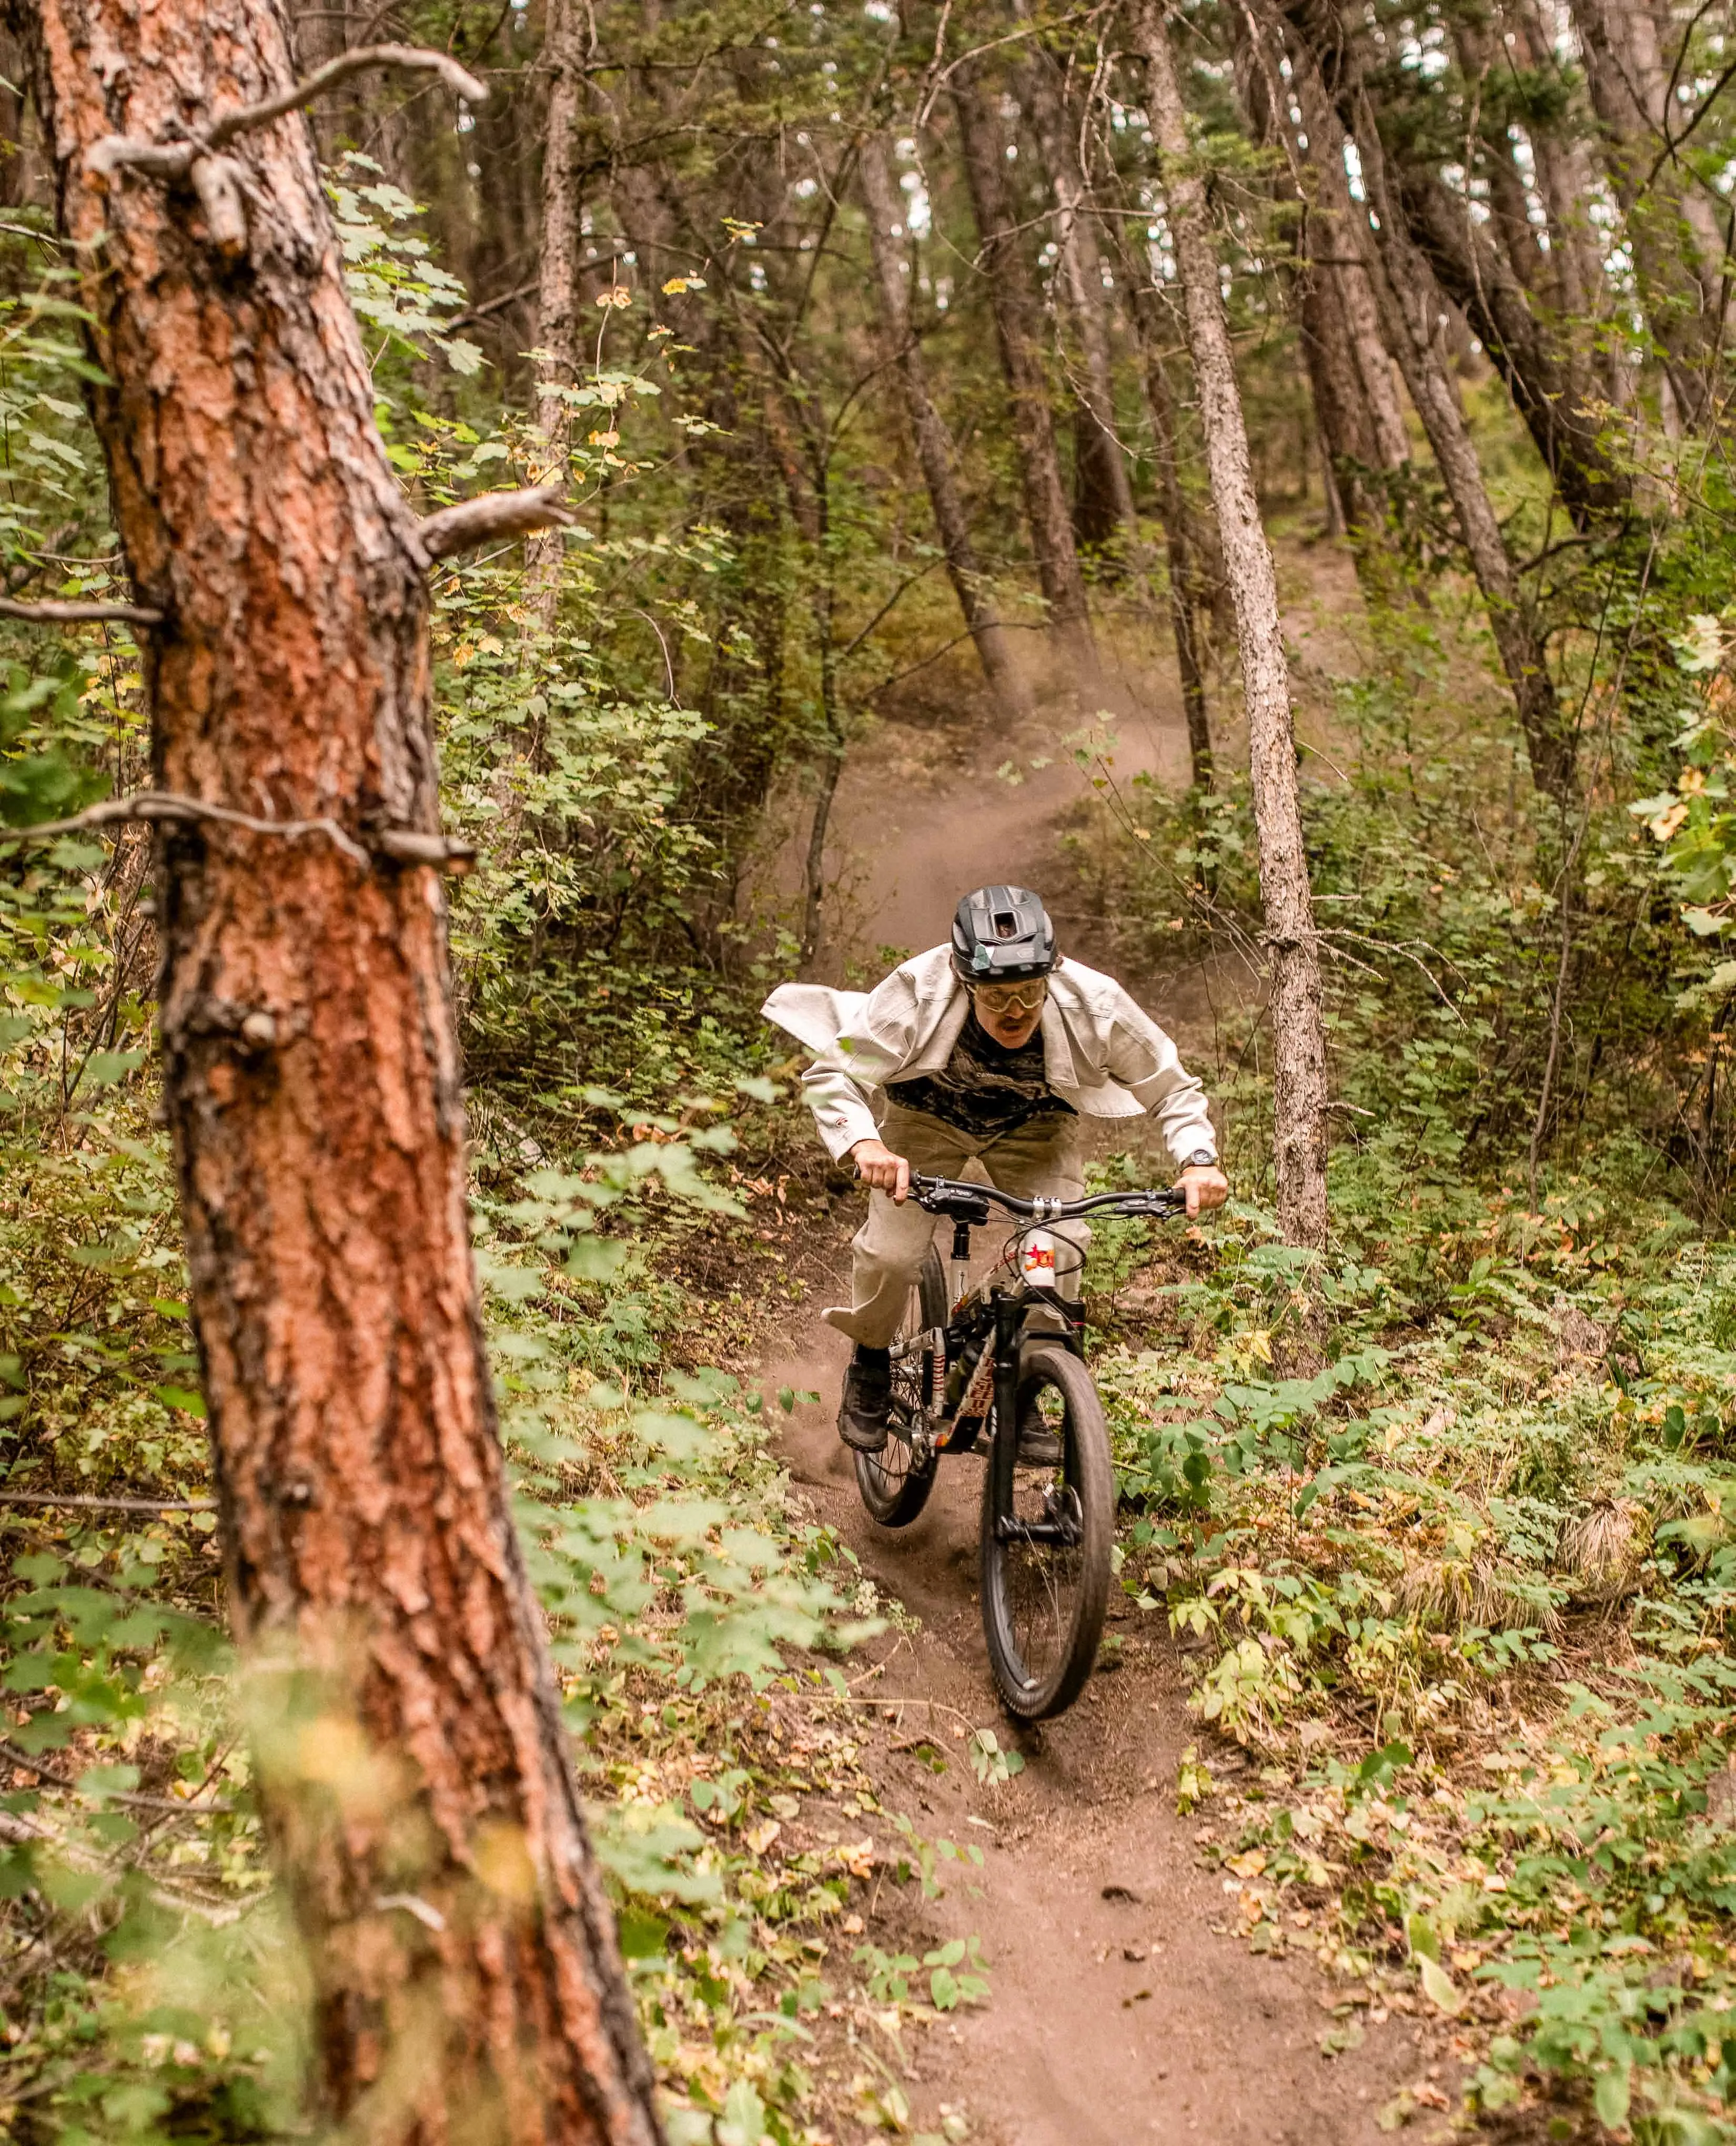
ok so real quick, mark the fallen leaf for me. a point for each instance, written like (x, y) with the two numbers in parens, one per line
(1439, 1988)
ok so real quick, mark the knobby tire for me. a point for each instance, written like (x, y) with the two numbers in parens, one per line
(894, 1495)
(1046, 1602)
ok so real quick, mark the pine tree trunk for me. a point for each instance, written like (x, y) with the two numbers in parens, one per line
(1297, 1019)
(312, 1086)
(1018, 329)
(558, 295)
(928, 427)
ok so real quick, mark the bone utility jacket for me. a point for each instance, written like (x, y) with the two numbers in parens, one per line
(1102, 1053)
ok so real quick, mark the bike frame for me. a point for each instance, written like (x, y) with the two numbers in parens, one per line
(995, 1313)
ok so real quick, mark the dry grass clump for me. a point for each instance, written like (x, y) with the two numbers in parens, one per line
(1603, 1548)
(1456, 1592)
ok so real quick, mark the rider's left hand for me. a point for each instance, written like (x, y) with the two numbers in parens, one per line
(1205, 1187)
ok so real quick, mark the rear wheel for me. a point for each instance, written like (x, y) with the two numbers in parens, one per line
(1045, 1593)
(894, 1483)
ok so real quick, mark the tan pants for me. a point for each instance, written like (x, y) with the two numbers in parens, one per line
(1042, 1155)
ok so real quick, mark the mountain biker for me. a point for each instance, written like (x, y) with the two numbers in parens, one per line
(992, 1047)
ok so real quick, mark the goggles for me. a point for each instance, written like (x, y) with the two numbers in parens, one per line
(1012, 998)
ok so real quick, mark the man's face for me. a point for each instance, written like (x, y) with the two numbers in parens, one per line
(1011, 1012)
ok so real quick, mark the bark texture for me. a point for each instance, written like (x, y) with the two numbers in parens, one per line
(312, 1084)
(1018, 328)
(1298, 1033)
(928, 427)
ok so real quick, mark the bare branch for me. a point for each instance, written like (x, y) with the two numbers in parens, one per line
(447, 853)
(111, 1505)
(365, 57)
(406, 846)
(75, 613)
(178, 1806)
(474, 521)
(163, 808)
(175, 160)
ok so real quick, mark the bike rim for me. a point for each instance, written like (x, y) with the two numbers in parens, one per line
(1041, 1587)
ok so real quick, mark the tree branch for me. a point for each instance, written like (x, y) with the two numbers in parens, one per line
(404, 845)
(174, 160)
(110, 1505)
(76, 613)
(474, 521)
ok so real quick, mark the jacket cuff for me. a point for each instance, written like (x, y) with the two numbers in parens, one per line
(841, 1124)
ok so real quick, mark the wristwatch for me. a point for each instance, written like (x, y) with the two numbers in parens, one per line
(1202, 1158)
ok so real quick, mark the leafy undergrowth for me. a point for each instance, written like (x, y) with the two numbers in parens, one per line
(700, 1628)
(1455, 1595)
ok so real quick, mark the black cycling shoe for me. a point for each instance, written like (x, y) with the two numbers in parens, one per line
(867, 1400)
(1039, 1447)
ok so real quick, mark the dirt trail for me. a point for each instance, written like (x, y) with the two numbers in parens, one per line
(1117, 2013)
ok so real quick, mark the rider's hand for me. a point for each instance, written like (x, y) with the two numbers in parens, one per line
(877, 1166)
(1205, 1184)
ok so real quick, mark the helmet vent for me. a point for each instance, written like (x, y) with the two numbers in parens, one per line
(1006, 925)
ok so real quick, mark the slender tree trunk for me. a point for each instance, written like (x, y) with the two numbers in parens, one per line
(1297, 1019)
(1411, 308)
(313, 1088)
(558, 295)
(1189, 598)
(1677, 251)
(1349, 374)
(934, 446)
(1104, 459)
(1018, 317)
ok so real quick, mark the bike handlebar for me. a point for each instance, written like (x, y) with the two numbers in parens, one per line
(969, 1203)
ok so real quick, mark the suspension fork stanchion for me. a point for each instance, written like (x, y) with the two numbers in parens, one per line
(958, 1271)
(1003, 1453)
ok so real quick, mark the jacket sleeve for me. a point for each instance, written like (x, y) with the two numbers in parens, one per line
(1143, 1060)
(873, 1043)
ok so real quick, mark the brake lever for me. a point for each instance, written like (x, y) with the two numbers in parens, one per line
(1156, 1203)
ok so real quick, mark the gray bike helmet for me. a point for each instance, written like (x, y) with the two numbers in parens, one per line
(1002, 935)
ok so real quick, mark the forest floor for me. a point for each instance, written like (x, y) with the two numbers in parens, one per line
(1122, 2003)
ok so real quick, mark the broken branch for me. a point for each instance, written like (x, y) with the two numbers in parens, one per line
(474, 521)
(78, 613)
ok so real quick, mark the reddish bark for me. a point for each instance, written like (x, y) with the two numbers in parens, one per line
(312, 1084)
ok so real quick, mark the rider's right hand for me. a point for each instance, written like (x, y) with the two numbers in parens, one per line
(877, 1166)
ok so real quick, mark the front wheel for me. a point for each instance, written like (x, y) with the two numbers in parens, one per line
(1047, 1529)
(894, 1483)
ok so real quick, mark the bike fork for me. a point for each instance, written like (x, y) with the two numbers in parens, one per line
(1003, 1453)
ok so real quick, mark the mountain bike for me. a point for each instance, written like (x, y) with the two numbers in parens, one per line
(999, 1371)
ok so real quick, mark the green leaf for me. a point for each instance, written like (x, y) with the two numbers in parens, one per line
(1611, 2097)
(103, 1068)
(743, 2122)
